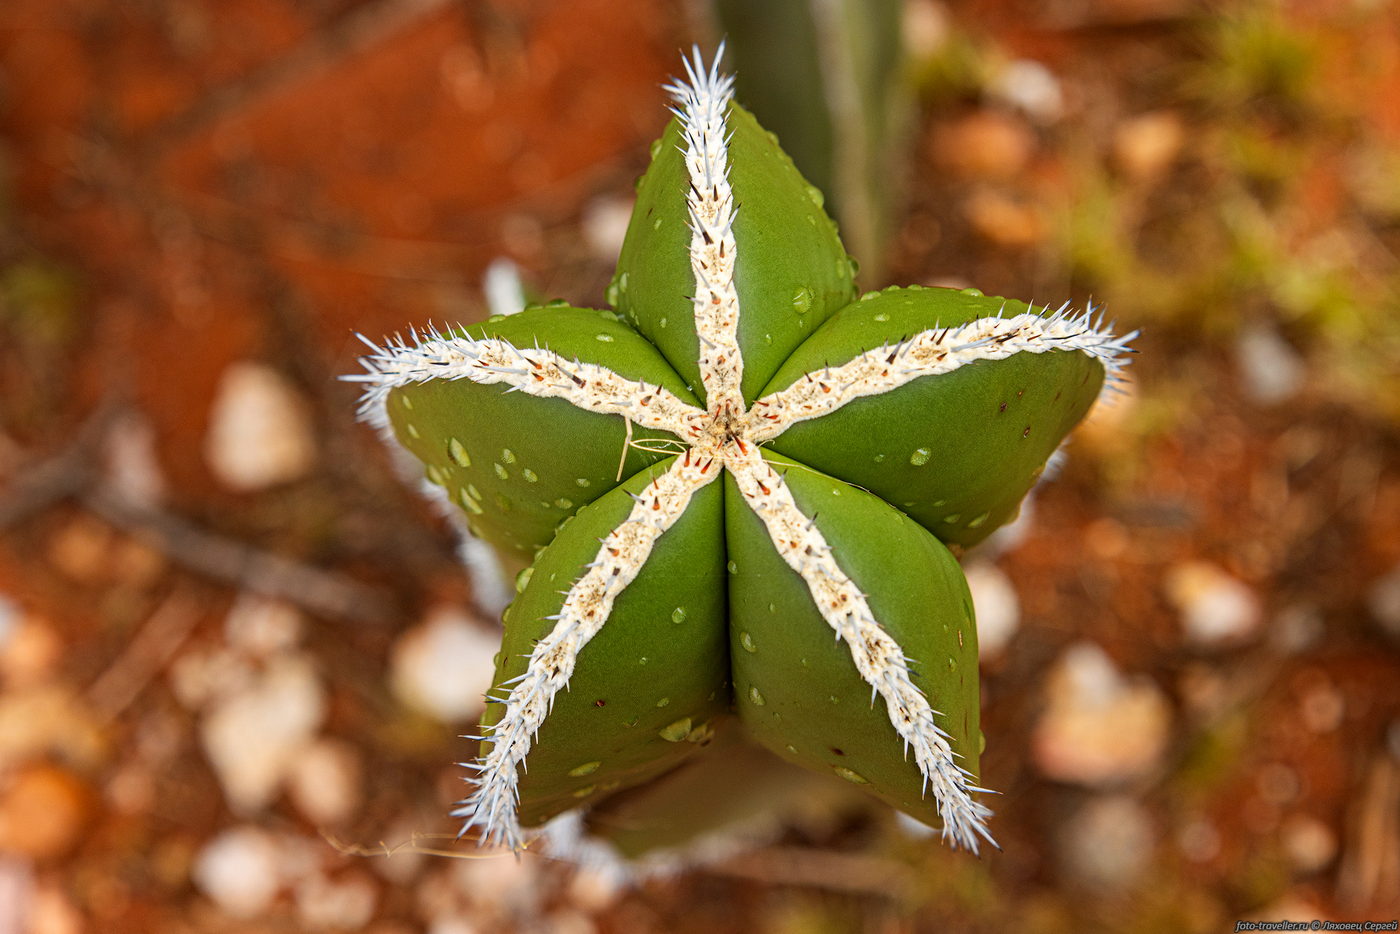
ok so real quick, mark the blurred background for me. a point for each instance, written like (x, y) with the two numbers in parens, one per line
(235, 650)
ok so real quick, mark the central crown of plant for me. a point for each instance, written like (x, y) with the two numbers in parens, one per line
(809, 592)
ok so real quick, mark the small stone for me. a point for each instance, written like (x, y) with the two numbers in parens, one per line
(1198, 840)
(1215, 608)
(594, 889)
(1146, 145)
(447, 925)
(565, 921)
(500, 883)
(51, 912)
(1005, 221)
(927, 28)
(505, 295)
(1383, 600)
(48, 722)
(403, 863)
(252, 737)
(325, 782)
(605, 223)
(1323, 706)
(998, 609)
(1012, 535)
(345, 903)
(82, 548)
(136, 564)
(1031, 88)
(1311, 844)
(1111, 417)
(444, 666)
(11, 615)
(237, 870)
(42, 811)
(1108, 842)
(1098, 728)
(30, 648)
(1271, 371)
(262, 627)
(202, 675)
(985, 145)
(260, 432)
(132, 468)
(1296, 629)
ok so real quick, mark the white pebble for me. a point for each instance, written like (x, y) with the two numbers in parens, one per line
(605, 223)
(342, 904)
(1146, 145)
(262, 627)
(1271, 371)
(325, 782)
(594, 889)
(501, 884)
(260, 431)
(10, 616)
(238, 871)
(1215, 608)
(505, 295)
(452, 926)
(1098, 727)
(998, 608)
(252, 737)
(16, 893)
(1032, 87)
(202, 675)
(1108, 842)
(133, 467)
(1384, 601)
(1310, 843)
(444, 666)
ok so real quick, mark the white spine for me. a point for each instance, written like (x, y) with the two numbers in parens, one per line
(933, 352)
(701, 105)
(492, 806)
(877, 656)
(535, 372)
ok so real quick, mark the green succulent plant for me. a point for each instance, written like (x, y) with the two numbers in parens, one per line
(737, 489)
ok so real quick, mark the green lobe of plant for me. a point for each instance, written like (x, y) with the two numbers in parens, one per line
(516, 486)
(956, 451)
(797, 688)
(648, 691)
(791, 274)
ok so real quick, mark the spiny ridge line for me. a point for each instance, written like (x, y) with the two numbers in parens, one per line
(936, 351)
(535, 371)
(877, 656)
(491, 807)
(702, 102)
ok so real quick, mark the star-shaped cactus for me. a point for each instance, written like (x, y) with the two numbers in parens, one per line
(738, 490)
